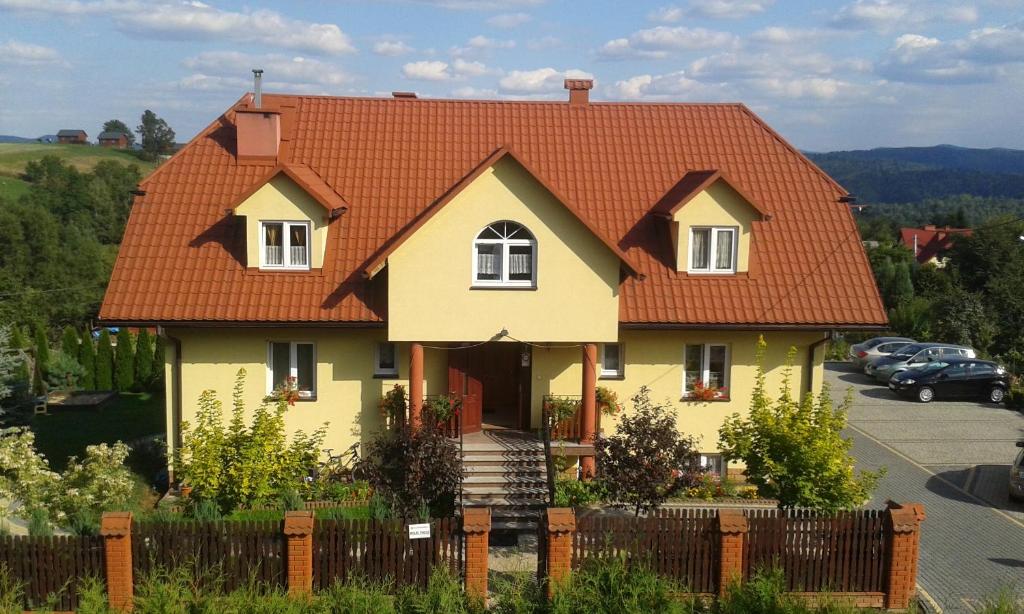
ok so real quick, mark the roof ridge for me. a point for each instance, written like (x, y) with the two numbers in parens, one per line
(558, 102)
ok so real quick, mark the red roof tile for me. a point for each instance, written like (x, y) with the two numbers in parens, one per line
(392, 159)
(931, 242)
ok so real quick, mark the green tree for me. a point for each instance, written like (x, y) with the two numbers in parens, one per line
(41, 356)
(87, 358)
(11, 358)
(794, 449)
(158, 362)
(143, 359)
(156, 136)
(65, 372)
(18, 340)
(104, 362)
(902, 285)
(124, 361)
(116, 125)
(69, 341)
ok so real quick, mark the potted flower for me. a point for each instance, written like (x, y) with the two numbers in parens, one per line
(704, 392)
(289, 390)
(607, 401)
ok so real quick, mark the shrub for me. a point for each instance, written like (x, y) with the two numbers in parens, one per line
(11, 592)
(143, 360)
(359, 596)
(647, 460)
(25, 475)
(444, 594)
(609, 586)
(87, 358)
(158, 363)
(413, 469)
(84, 522)
(39, 523)
(206, 510)
(517, 593)
(794, 450)
(69, 341)
(240, 465)
(65, 373)
(124, 361)
(393, 406)
(576, 493)
(98, 483)
(104, 362)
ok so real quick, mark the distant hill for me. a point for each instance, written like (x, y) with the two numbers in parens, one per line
(913, 174)
(6, 138)
(14, 156)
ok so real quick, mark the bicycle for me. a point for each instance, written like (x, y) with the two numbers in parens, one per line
(344, 468)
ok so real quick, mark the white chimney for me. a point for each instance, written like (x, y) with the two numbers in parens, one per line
(257, 87)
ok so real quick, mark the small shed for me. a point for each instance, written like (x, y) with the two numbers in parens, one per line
(74, 137)
(115, 139)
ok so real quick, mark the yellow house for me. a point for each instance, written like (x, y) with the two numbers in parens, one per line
(500, 252)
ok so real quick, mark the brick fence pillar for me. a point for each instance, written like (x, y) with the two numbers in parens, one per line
(476, 524)
(561, 526)
(116, 530)
(732, 526)
(298, 530)
(903, 525)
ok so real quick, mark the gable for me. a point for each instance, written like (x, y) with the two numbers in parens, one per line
(714, 204)
(282, 199)
(430, 275)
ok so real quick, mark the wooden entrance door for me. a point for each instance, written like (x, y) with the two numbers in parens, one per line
(464, 384)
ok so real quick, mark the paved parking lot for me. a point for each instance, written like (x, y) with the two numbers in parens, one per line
(953, 456)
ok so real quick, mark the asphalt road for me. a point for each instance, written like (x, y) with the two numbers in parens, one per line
(953, 456)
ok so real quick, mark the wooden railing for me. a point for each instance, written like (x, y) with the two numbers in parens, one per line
(568, 428)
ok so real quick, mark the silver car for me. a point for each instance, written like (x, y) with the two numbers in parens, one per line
(914, 356)
(866, 351)
(1017, 475)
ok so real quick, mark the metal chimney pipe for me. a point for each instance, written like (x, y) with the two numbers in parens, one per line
(257, 87)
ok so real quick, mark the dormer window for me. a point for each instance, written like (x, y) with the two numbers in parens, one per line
(712, 250)
(284, 245)
(505, 255)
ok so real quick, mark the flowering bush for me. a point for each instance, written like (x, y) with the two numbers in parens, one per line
(704, 392)
(240, 465)
(25, 475)
(98, 483)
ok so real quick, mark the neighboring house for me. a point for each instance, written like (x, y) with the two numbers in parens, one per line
(72, 137)
(930, 243)
(499, 251)
(117, 140)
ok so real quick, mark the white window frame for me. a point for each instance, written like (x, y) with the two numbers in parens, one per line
(293, 366)
(613, 373)
(715, 461)
(505, 244)
(378, 371)
(713, 249)
(705, 367)
(286, 238)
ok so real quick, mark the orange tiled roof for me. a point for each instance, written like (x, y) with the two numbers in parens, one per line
(932, 242)
(392, 159)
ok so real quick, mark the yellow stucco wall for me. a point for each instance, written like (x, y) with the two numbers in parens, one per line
(347, 391)
(430, 275)
(281, 199)
(719, 205)
(654, 359)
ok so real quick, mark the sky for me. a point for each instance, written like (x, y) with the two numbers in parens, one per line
(849, 74)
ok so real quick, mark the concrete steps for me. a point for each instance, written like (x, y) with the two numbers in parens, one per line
(508, 477)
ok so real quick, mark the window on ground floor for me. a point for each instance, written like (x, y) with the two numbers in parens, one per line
(292, 364)
(385, 360)
(713, 463)
(612, 363)
(706, 366)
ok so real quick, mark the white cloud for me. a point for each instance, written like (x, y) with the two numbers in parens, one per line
(711, 9)
(538, 81)
(961, 14)
(469, 69)
(19, 53)
(391, 48)
(779, 35)
(871, 14)
(473, 92)
(482, 42)
(815, 87)
(479, 5)
(279, 70)
(507, 21)
(994, 45)
(659, 41)
(427, 70)
(672, 86)
(196, 20)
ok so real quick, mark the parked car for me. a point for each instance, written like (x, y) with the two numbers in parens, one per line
(914, 356)
(952, 379)
(862, 353)
(1017, 475)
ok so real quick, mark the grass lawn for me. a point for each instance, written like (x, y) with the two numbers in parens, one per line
(11, 188)
(65, 433)
(14, 156)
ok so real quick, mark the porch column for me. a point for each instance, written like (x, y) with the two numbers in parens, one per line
(415, 383)
(589, 406)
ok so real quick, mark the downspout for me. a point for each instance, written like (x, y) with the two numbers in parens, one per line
(810, 359)
(174, 435)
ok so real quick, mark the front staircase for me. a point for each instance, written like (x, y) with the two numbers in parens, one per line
(505, 470)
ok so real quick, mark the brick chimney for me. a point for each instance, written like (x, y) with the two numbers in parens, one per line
(258, 128)
(579, 91)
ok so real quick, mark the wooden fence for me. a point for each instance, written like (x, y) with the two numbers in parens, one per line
(50, 569)
(219, 554)
(845, 552)
(382, 551)
(681, 544)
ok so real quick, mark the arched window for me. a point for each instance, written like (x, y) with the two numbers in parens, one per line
(505, 254)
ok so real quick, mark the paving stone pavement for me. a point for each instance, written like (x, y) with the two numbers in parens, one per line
(954, 458)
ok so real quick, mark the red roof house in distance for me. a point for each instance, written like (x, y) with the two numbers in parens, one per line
(930, 243)
(504, 253)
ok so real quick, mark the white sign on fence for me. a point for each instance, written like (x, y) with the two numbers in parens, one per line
(419, 531)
